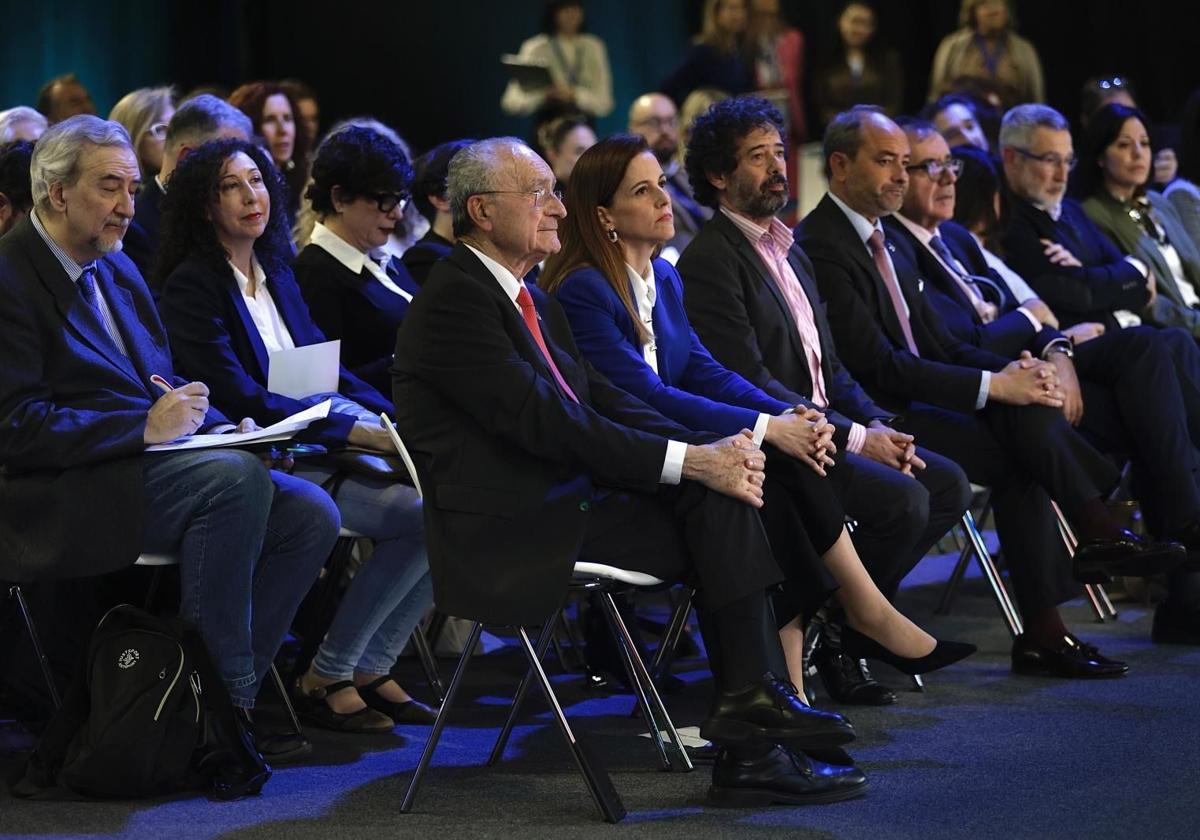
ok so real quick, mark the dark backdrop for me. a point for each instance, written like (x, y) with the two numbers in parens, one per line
(430, 68)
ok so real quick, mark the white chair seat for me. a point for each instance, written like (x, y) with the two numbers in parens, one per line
(599, 570)
(346, 533)
(157, 560)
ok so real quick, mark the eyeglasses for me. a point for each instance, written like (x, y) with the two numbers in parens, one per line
(936, 168)
(658, 123)
(1110, 84)
(1051, 159)
(387, 202)
(539, 195)
(158, 131)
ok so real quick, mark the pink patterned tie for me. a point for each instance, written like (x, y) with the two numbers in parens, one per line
(893, 288)
(529, 312)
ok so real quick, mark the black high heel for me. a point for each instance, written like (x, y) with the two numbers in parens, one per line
(859, 646)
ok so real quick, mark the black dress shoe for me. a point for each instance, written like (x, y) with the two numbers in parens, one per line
(771, 710)
(836, 756)
(846, 681)
(410, 711)
(1175, 625)
(277, 748)
(944, 653)
(782, 776)
(1126, 555)
(1069, 658)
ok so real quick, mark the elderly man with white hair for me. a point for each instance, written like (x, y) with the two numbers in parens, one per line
(21, 123)
(87, 386)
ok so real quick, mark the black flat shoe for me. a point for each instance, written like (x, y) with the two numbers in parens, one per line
(784, 777)
(278, 748)
(1069, 658)
(410, 711)
(771, 710)
(846, 681)
(1126, 555)
(944, 653)
(1175, 626)
(312, 708)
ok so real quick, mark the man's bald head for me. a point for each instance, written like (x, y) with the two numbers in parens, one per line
(653, 116)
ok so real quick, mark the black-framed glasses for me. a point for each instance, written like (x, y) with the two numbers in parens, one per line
(935, 169)
(387, 201)
(1051, 159)
(658, 123)
(539, 195)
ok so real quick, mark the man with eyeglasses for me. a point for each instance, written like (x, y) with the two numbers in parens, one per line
(997, 417)
(1125, 379)
(653, 116)
(531, 460)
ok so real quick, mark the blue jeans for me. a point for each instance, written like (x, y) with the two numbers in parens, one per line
(391, 591)
(250, 543)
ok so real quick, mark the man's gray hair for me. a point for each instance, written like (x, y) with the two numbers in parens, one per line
(473, 171)
(202, 118)
(56, 153)
(844, 133)
(1019, 124)
(10, 119)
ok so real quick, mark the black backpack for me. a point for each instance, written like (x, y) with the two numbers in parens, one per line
(147, 715)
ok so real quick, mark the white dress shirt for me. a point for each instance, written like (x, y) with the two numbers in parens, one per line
(261, 306)
(672, 470)
(354, 259)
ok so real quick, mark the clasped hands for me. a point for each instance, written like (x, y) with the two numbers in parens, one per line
(804, 434)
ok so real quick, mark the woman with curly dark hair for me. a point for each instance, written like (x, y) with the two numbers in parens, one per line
(355, 291)
(626, 310)
(273, 111)
(229, 300)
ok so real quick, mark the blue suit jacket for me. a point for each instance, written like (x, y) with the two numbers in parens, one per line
(690, 387)
(141, 240)
(1010, 332)
(72, 413)
(215, 341)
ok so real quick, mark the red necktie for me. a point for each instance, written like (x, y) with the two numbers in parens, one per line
(893, 288)
(531, 321)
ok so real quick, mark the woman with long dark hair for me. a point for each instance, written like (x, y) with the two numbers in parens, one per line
(626, 311)
(1115, 162)
(274, 114)
(229, 300)
(857, 69)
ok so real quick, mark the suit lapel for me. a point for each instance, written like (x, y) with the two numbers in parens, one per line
(256, 342)
(124, 314)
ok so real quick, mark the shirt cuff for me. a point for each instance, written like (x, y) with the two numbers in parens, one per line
(221, 429)
(1037, 325)
(1062, 345)
(672, 470)
(856, 438)
(760, 428)
(1139, 265)
(985, 382)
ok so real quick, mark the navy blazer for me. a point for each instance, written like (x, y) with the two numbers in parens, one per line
(357, 309)
(1106, 281)
(743, 318)
(420, 258)
(73, 412)
(141, 239)
(215, 341)
(867, 329)
(690, 387)
(1010, 332)
(507, 460)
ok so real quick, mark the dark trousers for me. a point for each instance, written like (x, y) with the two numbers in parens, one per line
(1027, 455)
(1134, 406)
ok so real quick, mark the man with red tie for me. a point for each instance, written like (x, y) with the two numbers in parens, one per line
(997, 418)
(532, 460)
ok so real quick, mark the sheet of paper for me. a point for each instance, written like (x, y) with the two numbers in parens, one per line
(304, 371)
(282, 430)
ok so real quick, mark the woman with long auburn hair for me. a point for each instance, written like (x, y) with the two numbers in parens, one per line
(626, 311)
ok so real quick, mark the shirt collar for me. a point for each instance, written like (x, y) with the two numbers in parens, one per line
(260, 276)
(338, 248)
(74, 270)
(1054, 211)
(862, 227)
(923, 234)
(161, 186)
(776, 231)
(508, 282)
(643, 284)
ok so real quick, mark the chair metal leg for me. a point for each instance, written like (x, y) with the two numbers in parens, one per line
(918, 683)
(599, 784)
(1005, 604)
(661, 663)
(1105, 601)
(39, 651)
(514, 708)
(428, 664)
(440, 724)
(1072, 542)
(960, 569)
(655, 711)
(287, 701)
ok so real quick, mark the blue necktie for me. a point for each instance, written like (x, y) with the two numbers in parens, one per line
(87, 287)
(939, 248)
